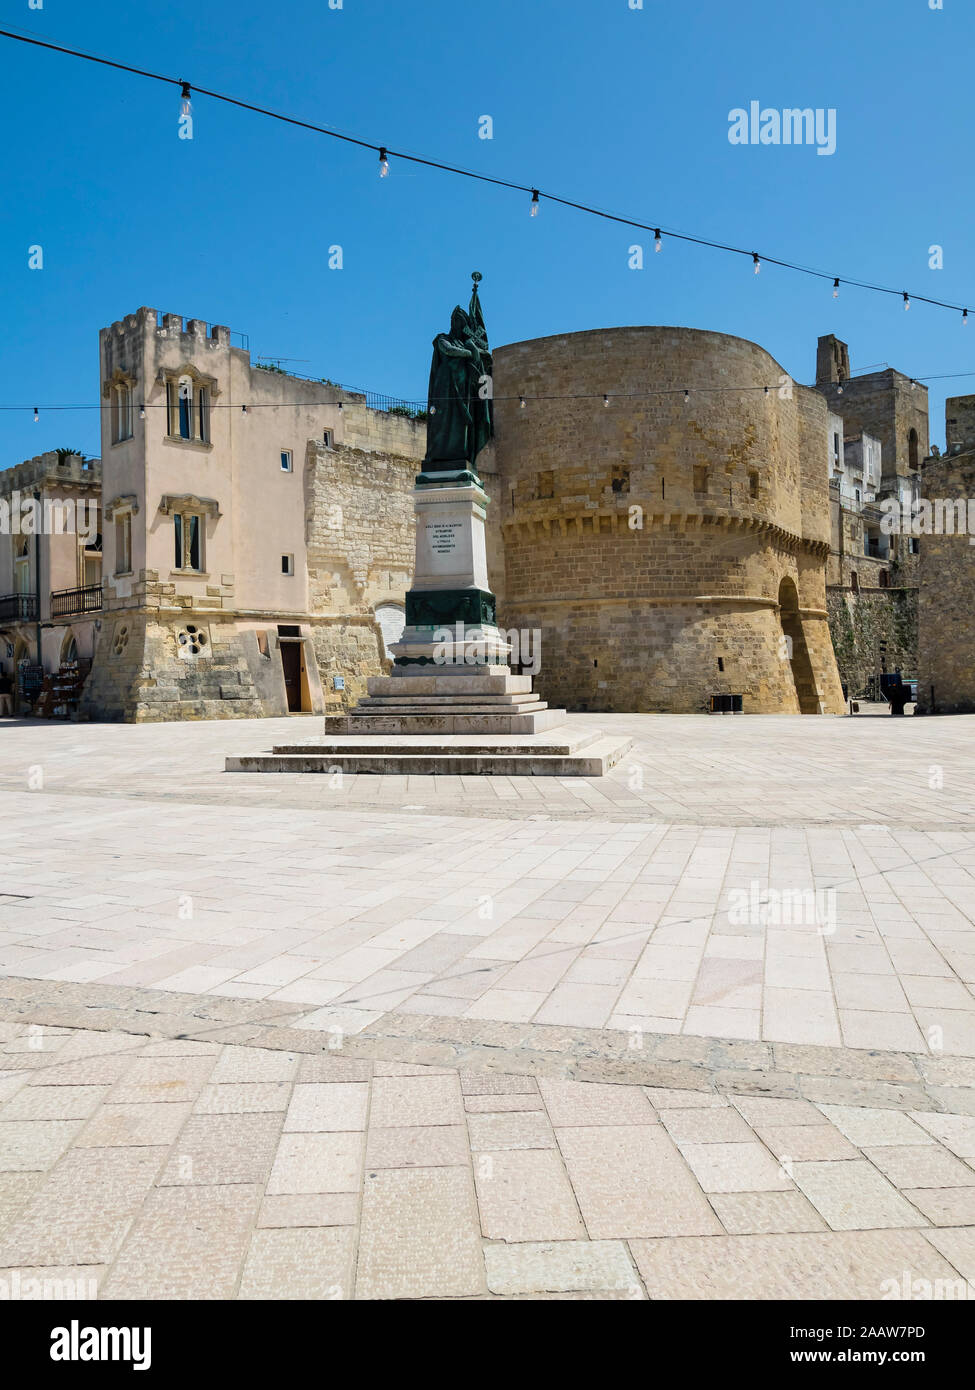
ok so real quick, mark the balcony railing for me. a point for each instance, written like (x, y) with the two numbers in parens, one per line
(18, 608)
(65, 602)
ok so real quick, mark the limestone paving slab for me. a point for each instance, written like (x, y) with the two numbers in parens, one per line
(801, 1266)
(418, 1236)
(561, 1267)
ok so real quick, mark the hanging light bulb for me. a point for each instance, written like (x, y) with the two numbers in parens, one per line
(383, 162)
(37, 415)
(185, 104)
(757, 262)
(522, 402)
(907, 301)
(605, 400)
(687, 397)
(534, 205)
(836, 288)
(142, 412)
(766, 390)
(964, 318)
(657, 243)
(243, 410)
(839, 387)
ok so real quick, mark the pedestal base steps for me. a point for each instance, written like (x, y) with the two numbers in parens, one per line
(488, 700)
(569, 753)
(461, 722)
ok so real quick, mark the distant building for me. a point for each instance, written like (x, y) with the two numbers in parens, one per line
(878, 437)
(50, 576)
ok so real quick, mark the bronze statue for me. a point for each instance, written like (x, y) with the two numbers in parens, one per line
(459, 421)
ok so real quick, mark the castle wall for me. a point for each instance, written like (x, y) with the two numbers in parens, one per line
(648, 540)
(360, 537)
(946, 612)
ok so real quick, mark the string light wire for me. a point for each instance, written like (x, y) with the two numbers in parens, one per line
(767, 389)
(483, 178)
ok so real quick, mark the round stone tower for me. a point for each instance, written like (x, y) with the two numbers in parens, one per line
(670, 552)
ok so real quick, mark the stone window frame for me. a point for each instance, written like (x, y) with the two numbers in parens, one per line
(288, 467)
(188, 383)
(121, 510)
(119, 391)
(288, 566)
(23, 561)
(89, 551)
(183, 509)
(193, 642)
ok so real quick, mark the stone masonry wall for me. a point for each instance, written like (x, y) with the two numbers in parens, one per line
(650, 540)
(359, 531)
(139, 675)
(871, 630)
(946, 612)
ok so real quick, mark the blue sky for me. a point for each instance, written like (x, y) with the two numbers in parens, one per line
(624, 109)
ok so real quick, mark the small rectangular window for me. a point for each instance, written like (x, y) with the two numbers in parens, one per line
(123, 544)
(204, 414)
(188, 542)
(700, 478)
(286, 461)
(185, 413)
(753, 484)
(287, 564)
(327, 438)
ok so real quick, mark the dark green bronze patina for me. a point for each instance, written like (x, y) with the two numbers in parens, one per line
(444, 607)
(460, 421)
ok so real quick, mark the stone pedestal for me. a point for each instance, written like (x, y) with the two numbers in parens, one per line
(450, 670)
(450, 611)
(452, 704)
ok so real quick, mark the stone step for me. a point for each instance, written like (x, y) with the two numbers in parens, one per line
(449, 722)
(371, 702)
(480, 681)
(594, 761)
(570, 742)
(448, 706)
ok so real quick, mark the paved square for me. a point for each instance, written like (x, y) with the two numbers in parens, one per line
(703, 1027)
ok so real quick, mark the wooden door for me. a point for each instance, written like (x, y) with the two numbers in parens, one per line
(291, 661)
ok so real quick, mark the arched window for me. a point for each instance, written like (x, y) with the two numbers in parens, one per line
(912, 449)
(188, 409)
(69, 648)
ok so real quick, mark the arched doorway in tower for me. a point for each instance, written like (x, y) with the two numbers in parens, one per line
(795, 649)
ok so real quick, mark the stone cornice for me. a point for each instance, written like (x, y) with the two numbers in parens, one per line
(170, 503)
(173, 374)
(655, 518)
(125, 502)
